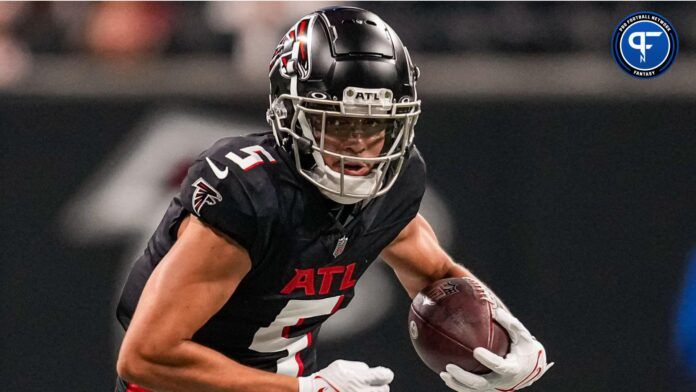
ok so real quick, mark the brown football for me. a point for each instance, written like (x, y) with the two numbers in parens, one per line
(449, 319)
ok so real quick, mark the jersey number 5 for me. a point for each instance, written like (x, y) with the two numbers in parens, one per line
(275, 338)
(252, 160)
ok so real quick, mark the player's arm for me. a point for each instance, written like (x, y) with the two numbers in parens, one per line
(418, 260)
(191, 283)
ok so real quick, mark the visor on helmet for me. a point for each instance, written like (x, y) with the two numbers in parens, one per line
(345, 135)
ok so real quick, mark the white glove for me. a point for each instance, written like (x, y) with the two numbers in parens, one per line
(523, 365)
(348, 376)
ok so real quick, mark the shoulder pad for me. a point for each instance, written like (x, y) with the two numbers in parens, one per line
(245, 162)
(227, 189)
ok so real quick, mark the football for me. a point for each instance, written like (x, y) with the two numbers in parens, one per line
(449, 319)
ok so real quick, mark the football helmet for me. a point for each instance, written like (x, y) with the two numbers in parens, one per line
(343, 100)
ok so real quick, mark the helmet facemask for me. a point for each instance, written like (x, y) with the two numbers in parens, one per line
(357, 146)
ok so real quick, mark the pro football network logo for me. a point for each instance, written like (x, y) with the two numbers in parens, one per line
(645, 44)
(204, 194)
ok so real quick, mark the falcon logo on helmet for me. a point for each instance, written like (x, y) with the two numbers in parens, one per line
(292, 56)
(204, 194)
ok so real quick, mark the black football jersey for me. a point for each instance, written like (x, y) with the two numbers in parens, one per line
(307, 252)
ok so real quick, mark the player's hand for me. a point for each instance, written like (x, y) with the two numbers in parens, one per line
(348, 376)
(522, 366)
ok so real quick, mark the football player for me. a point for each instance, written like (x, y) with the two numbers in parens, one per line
(271, 232)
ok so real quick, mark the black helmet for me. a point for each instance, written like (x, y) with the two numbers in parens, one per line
(339, 71)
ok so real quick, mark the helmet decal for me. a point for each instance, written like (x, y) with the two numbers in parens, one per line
(292, 54)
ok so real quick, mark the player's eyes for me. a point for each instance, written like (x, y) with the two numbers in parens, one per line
(342, 124)
(344, 127)
(373, 124)
(360, 125)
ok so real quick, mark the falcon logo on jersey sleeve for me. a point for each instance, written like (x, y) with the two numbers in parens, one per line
(204, 194)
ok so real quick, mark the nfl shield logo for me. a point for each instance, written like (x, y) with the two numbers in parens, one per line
(340, 246)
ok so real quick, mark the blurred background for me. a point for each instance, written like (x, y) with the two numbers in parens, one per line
(563, 182)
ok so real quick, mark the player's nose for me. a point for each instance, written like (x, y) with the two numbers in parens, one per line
(355, 143)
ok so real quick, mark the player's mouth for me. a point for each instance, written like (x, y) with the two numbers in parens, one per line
(353, 168)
